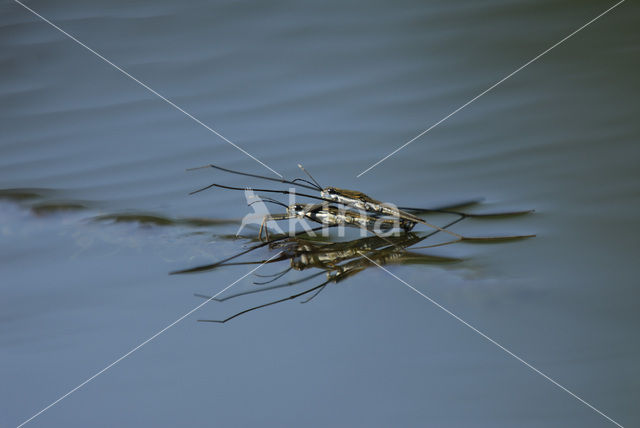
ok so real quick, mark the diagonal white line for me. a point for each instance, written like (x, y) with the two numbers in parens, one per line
(493, 341)
(154, 92)
(489, 88)
(146, 341)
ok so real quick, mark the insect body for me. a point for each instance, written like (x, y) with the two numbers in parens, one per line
(361, 201)
(333, 216)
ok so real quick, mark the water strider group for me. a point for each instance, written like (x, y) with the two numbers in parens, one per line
(342, 207)
(341, 260)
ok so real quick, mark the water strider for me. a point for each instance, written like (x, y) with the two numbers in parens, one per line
(350, 198)
(360, 201)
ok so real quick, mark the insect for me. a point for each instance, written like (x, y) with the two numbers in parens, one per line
(350, 198)
(333, 216)
(357, 200)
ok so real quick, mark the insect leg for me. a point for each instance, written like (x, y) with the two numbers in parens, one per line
(269, 304)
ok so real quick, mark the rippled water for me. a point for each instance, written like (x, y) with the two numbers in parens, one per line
(95, 211)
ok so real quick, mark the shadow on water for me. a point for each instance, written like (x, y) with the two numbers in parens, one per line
(44, 202)
(157, 220)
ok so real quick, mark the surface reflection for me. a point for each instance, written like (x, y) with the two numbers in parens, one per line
(336, 261)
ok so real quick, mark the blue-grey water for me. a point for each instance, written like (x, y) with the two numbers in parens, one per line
(334, 86)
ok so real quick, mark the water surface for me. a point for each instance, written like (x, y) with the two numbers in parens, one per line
(335, 87)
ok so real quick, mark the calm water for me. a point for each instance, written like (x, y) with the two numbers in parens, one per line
(334, 87)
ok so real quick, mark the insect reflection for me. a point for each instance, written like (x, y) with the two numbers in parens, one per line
(337, 261)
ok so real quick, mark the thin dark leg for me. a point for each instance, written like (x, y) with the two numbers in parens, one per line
(268, 304)
(313, 296)
(212, 266)
(277, 277)
(273, 287)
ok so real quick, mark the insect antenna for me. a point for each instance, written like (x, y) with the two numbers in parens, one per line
(310, 176)
(315, 186)
(279, 180)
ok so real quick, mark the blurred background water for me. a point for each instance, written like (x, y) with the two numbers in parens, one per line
(335, 87)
